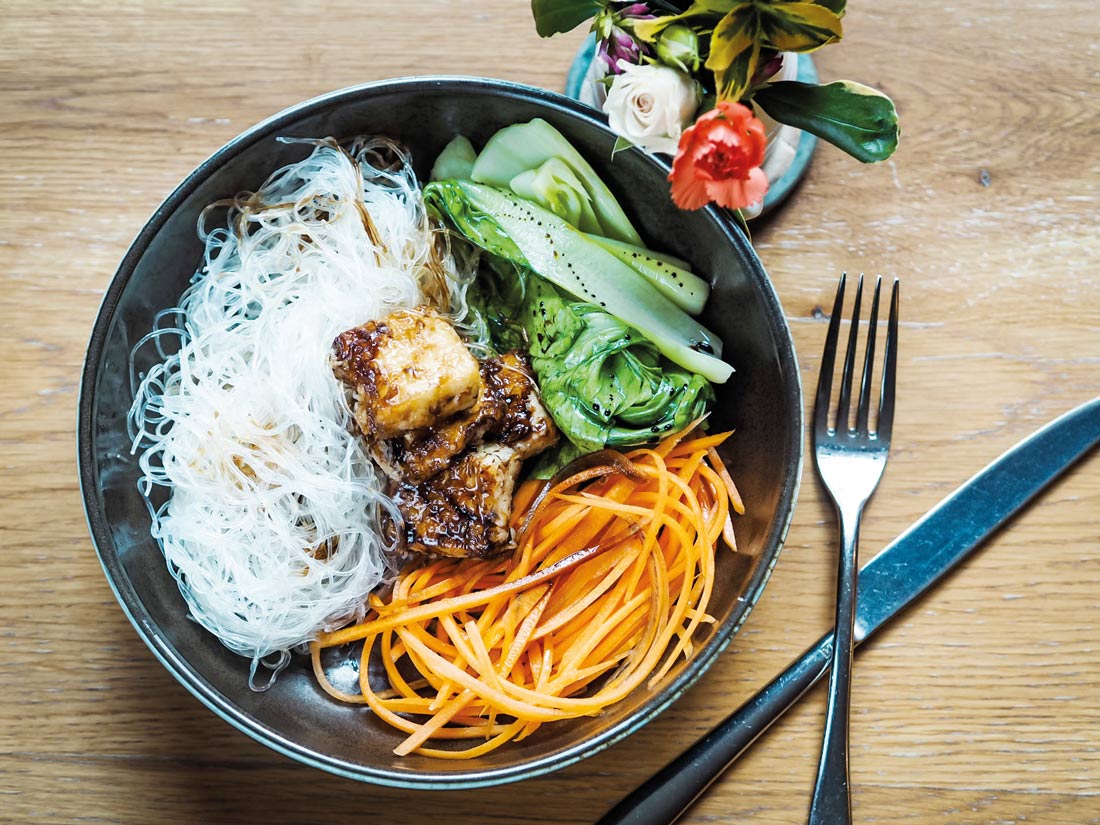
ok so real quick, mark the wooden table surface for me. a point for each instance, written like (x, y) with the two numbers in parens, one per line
(980, 705)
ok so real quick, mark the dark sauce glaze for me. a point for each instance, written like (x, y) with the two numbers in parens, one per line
(379, 361)
(463, 511)
(507, 411)
(449, 432)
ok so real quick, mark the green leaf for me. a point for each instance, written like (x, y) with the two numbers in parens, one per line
(739, 219)
(556, 16)
(525, 234)
(799, 27)
(602, 382)
(679, 284)
(716, 6)
(735, 51)
(621, 143)
(853, 117)
(522, 146)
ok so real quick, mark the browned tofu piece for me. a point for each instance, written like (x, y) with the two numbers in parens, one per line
(525, 426)
(421, 454)
(405, 372)
(508, 410)
(465, 510)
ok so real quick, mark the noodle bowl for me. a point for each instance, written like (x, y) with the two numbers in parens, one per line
(295, 717)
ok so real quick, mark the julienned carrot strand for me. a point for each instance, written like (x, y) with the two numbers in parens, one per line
(731, 489)
(603, 579)
(608, 589)
(482, 659)
(706, 560)
(525, 494)
(512, 634)
(592, 634)
(626, 633)
(390, 659)
(441, 718)
(667, 445)
(526, 630)
(508, 733)
(455, 603)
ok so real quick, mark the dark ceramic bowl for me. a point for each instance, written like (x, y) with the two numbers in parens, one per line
(762, 401)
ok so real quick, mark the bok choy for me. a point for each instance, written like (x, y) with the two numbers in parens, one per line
(523, 148)
(564, 276)
(527, 235)
(602, 382)
(669, 275)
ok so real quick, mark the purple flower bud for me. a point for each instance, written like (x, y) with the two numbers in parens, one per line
(620, 46)
(639, 11)
(768, 69)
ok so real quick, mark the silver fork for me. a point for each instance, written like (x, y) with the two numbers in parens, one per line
(851, 462)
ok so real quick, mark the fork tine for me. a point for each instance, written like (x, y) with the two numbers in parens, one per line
(844, 402)
(864, 411)
(889, 373)
(828, 358)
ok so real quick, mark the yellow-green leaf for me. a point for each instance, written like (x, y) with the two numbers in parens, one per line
(735, 51)
(650, 30)
(718, 7)
(799, 27)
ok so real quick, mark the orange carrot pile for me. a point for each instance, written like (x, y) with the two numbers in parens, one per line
(610, 580)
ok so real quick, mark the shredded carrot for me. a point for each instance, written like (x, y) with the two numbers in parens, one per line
(606, 592)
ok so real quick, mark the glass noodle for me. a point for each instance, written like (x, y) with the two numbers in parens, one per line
(270, 525)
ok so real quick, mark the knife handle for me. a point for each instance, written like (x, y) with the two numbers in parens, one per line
(665, 796)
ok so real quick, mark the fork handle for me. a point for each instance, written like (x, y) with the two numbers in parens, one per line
(832, 799)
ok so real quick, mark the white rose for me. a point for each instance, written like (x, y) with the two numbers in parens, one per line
(651, 105)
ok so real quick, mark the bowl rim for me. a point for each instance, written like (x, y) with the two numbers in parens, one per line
(220, 704)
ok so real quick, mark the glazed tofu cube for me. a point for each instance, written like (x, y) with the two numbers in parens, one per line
(525, 425)
(465, 510)
(508, 410)
(405, 372)
(420, 455)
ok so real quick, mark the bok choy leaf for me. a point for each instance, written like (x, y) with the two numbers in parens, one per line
(524, 147)
(456, 160)
(602, 382)
(670, 276)
(528, 236)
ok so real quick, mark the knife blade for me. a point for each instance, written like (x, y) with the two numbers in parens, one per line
(905, 569)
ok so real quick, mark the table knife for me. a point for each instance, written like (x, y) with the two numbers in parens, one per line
(906, 568)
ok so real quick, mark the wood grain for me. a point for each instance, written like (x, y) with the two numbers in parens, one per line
(981, 705)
